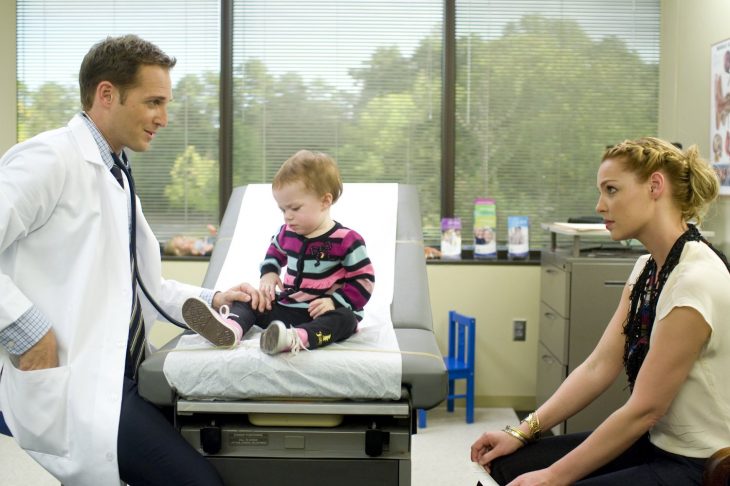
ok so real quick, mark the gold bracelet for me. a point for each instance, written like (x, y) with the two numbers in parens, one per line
(533, 422)
(516, 433)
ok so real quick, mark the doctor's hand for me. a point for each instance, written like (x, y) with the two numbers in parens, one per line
(243, 293)
(491, 445)
(43, 355)
(320, 306)
(268, 285)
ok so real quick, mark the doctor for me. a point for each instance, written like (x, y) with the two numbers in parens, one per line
(67, 302)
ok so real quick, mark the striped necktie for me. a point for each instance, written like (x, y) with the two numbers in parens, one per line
(136, 342)
(136, 339)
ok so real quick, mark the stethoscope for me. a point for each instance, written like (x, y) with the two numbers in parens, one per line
(133, 241)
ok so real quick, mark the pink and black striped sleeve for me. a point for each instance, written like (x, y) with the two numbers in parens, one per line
(359, 279)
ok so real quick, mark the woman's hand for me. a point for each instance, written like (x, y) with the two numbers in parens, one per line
(268, 285)
(491, 445)
(542, 477)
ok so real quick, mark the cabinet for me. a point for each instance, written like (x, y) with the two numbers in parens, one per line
(579, 295)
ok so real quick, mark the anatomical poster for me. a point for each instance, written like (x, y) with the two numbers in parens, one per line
(720, 113)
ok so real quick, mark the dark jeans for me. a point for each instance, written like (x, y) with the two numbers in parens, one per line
(151, 452)
(331, 327)
(642, 464)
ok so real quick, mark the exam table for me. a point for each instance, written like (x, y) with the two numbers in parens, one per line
(370, 443)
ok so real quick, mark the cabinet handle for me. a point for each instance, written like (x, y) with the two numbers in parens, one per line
(550, 315)
(550, 270)
(614, 283)
(548, 359)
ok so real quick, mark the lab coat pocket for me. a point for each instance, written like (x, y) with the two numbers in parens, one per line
(37, 402)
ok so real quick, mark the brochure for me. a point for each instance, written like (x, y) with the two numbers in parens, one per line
(451, 238)
(485, 227)
(518, 237)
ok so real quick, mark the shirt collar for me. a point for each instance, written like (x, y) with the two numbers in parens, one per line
(104, 148)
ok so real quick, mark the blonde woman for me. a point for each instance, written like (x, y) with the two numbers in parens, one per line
(670, 333)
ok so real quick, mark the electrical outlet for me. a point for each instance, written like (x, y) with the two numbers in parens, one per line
(519, 329)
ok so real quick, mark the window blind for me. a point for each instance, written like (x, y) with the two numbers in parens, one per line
(360, 80)
(542, 88)
(177, 179)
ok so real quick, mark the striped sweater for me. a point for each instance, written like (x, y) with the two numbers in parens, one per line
(334, 264)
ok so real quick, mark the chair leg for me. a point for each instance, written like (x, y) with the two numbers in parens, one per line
(470, 399)
(450, 399)
(421, 418)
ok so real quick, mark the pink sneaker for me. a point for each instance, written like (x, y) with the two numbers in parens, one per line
(278, 338)
(213, 326)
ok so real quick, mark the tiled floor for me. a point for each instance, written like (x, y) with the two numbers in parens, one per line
(440, 452)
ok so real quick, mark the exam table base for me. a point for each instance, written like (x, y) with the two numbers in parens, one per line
(363, 450)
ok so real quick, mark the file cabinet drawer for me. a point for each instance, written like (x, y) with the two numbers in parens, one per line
(554, 332)
(555, 289)
(550, 374)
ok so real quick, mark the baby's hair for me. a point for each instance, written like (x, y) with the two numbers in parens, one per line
(694, 183)
(316, 170)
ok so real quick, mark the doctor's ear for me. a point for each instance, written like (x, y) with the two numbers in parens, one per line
(105, 92)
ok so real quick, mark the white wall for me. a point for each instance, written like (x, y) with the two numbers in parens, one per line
(688, 30)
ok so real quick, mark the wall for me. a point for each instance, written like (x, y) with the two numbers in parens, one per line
(7, 76)
(688, 30)
(495, 295)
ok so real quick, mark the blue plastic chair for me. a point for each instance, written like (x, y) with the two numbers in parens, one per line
(459, 363)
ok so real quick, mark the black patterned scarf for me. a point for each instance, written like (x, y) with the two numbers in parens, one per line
(644, 298)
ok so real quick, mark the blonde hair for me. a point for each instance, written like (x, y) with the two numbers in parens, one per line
(316, 170)
(693, 181)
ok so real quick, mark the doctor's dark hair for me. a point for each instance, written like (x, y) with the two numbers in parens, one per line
(694, 184)
(316, 170)
(117, 60)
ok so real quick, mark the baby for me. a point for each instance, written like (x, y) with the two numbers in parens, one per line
(328, 277)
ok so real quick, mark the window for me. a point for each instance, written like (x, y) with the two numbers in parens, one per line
(360, 80)
(542, 88)
(177, 179)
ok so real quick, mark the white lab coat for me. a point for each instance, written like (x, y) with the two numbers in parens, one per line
(64, 247)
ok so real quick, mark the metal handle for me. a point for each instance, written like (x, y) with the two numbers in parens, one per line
(614, 283)
(548, 359)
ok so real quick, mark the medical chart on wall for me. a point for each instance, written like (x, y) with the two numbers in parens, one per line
(720, 113)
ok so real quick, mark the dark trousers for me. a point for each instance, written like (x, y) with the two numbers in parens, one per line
(151, 452)
(642, 464)
(331, 327)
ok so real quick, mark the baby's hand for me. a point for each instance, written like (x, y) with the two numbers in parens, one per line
(268, 285)
(320, 306)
